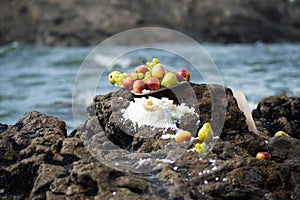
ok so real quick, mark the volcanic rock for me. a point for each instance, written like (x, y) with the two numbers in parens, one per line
(39, 160)
(278, 113)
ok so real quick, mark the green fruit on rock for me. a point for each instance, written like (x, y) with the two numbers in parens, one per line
(169, 79)
(112, 77)
(200, 148)
(205, 134)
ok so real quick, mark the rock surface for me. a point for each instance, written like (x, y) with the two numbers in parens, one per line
(74, 22)
(38, 160)
(278, 113)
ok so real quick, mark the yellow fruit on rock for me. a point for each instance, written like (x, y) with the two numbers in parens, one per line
(205, 134)
(281, 133)
(200, 148)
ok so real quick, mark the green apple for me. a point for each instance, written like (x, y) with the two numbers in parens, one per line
(169, 79)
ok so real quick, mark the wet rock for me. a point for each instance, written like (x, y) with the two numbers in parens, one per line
(47, 173)
(3, 127)
(284, 148)
(59, 24)
(38, 160)
(278, 113)
(33, 140)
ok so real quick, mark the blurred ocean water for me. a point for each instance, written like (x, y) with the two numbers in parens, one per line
(43, 78)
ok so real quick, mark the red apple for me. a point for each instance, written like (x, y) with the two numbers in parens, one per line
(263, 156)
(158, 71)
(138, 86)
(141, 69)
(128, 83)
(183, 75)
(153, 84)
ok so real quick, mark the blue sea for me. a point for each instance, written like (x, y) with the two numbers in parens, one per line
(45, 79)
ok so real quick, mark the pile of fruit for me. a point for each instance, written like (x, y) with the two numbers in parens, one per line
(148, 76)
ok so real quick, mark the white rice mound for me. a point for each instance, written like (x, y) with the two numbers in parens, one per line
(156, 113)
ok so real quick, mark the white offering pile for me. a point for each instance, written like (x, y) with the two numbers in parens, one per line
(157, 113)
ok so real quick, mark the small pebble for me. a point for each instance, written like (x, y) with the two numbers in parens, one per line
(224, 179)
(69, 191)
(217, 178)
(175, 168)
(205, 182)
(114, 193)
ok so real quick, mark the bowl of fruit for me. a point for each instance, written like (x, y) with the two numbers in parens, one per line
(148, 78)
